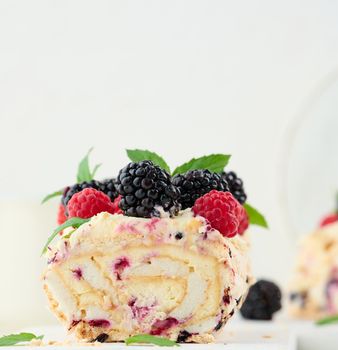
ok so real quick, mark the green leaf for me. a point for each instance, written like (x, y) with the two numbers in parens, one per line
(137, 155)
(72, 222)
(327, 320)
(83, 171)
(67, 236)
(12, 339)
(150, 339)
(213, 162)
(51, 195)
(255, 217)
(95, 170)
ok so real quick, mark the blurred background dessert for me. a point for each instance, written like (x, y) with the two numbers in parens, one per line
(313, 290)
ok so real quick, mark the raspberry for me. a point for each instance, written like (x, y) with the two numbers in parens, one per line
(329, 219)
(263, 300)
(61, 215)
(116, 207)
(195, 183)
(89, 202)
(222, 211)
(244, 222)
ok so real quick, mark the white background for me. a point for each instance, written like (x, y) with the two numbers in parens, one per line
(183, 78)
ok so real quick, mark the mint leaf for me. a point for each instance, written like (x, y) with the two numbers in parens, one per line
(72, 222)
(137, 155)
(95, 170)
(83, 171)
(52, 195)
(67, 236)
(150, 339)
(327, 320)
(255, 217)
(213, 162)
(12, 339)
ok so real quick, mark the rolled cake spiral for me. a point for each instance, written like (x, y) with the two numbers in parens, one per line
(174, 277)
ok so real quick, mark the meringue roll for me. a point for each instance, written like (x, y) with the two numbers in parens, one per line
(169, 276)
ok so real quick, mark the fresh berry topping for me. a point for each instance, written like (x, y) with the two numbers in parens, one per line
(195, 183)
(89, 202)
(61, 215)
(263, 300)
(143, 186)
(108, 187)
(235, 186)
(222, 211)
(329, 219)
(244, 222)
(116, 207)
(70, 191)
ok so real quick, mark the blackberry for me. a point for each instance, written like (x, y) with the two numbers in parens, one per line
(70, 191)
(263, 300)
(195, 183)
(235, 186)
(143, 186)
(108, 187)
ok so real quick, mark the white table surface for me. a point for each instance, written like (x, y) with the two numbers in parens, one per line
(237, 335)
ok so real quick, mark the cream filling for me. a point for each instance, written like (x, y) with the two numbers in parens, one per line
(194, 297)
(202, 327)
(66, 301)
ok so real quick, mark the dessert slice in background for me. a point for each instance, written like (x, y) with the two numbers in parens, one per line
(314, 286)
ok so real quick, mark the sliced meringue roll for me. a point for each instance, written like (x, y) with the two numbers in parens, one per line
(122, 276)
